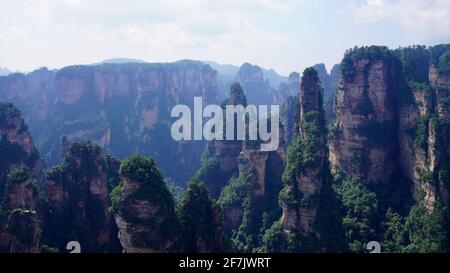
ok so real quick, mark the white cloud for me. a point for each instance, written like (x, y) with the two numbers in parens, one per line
(423, 20)
(56, 33)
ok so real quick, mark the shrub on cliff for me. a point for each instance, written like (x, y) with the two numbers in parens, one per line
(444, 62)
(359, 53)
(197, 216)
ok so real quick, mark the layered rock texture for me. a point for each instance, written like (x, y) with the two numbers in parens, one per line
(220, 159)
(307, 176)
(144, 209)
(392, 119)
(424, 123)
(125, 108)
(20, 169)
(78, 206)
(364, 140)
(379, 172)
(249, 200)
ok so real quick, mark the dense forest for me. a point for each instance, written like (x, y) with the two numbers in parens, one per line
(364, 155)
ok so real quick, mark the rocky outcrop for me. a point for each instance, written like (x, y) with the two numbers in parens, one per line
(301, 195)
(16, 144)
(259, 181)
(20, 169)
(288, 89)
(287, 98)
(78, 206)
(392, 119)
(257, 89)
(144, 209)
(424, 128)
(124, 108)
(364, 140)
(220, 159)
(329, 95)
(307, 199)
(288, 119)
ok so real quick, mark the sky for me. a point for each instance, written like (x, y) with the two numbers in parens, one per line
(286, 35)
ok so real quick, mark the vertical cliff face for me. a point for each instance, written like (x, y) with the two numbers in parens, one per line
(219, 161)
(124, 108)
(77, 207)
(33, 94)
(249, 200)
(287, 98)
(17, 146)
(329, 96)
(144, 209)
(304, 179)
(20, 167)
(288, 119)
(307, 202)
(257, 90)
(364, 140)
(424, 125)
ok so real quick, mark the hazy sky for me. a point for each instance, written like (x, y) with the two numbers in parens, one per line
(284, 35)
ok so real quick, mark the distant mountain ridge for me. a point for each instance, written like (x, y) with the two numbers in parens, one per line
(231, 70)
(4, 71)
(122, 61)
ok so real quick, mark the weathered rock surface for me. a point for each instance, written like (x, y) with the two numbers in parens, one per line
(20, 169)
(125, 108)
(364, 141)
(144, 209)
(78, 205)
(305, 182)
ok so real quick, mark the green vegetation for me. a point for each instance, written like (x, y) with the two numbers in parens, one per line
(310, 72)
(210, 171)
(422, 132)
(399, 230)
(436, 52)
(258, 213)
(82, 163)
(151, 188)
(289, 198)
(426, 230)
(116, 198)
(243, 239)
(237, 194)
(358, 53)
(236, 191)
(273, 239)
(360, 210)
(197, 216)
(444, 62)
(19, 175)
(395, 236)
(415, 61)
(304, 150)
